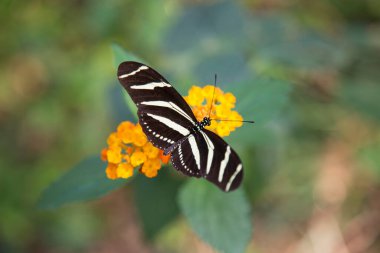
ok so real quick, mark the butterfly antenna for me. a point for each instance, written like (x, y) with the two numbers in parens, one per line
(213, 94)
(212, 102)
(246, 121)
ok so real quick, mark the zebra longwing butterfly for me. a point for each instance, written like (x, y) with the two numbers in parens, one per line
(169, 124)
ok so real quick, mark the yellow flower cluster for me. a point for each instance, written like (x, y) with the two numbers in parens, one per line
(128, 148)
(200, 100)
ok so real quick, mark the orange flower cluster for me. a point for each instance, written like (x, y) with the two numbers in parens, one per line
(200, 100)
(128, 148)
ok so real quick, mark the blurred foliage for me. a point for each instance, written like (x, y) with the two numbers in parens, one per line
(306, 72)
(222, 219)
(85, 181)
(156, 201)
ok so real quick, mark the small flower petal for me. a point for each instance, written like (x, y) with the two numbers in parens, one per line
(139, 137)
(222, 112)
(127, 158)
(151, 173)
(138, 158)
(164, 158)
(125, 131)
(129, 150)
(113, 140)
(150, 150)
(195, 97)
(223, 129)
(208, 92)
(114, 155)
(111, 171)
(150, 167)
(228, 100)
(124, 170)
(103, 154)
(236, 119)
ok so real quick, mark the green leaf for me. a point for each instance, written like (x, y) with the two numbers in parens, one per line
(156, 200)
(120, 56)
(363, 97)
(261, 100)
(207, 22)
(86, 181)
(369, 156)
(221, 219)
(360, 86)
(288, 39)
(231, 68)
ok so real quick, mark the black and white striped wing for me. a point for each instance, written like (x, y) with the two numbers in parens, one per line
(185, 160)
(205, 154)
(164, 115)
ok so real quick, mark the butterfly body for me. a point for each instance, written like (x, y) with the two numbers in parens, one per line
(169, 123)
(199, 126)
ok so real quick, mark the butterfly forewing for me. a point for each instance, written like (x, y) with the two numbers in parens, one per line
(164, 115)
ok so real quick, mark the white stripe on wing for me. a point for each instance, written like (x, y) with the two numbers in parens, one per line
(133, 72)
(171, 124)
(195, 151)
(150, 86)
(210, 153)
(223, 163)
(170, 105)
(232, 178)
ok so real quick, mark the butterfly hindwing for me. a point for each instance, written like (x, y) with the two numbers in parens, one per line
(164, 115)
(207, 155)
(185, 160)
(225, 169)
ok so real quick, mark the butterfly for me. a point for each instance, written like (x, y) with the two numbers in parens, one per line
(170, 125)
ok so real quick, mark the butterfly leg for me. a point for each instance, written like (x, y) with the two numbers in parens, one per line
(171, 148)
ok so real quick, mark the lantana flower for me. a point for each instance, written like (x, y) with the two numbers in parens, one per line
(200, 100)
(129, 148)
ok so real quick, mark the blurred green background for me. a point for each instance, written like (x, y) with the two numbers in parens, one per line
(306, 71)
